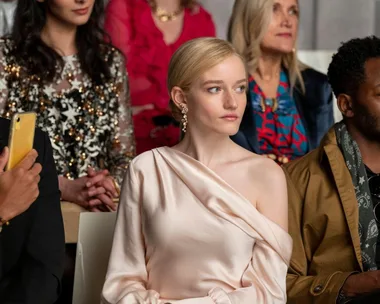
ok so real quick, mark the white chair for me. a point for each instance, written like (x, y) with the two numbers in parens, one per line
(94, 246)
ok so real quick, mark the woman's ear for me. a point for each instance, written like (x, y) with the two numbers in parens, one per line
(178, 97)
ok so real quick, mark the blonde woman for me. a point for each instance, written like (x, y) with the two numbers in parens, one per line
(289, 106)
(205, 221)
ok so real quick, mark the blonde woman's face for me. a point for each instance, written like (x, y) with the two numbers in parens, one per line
(283, 28)
(216, 101)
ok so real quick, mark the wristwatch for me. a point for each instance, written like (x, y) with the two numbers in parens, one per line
(342, 298)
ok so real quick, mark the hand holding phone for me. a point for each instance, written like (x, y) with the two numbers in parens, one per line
(18, 186)
(21, 137)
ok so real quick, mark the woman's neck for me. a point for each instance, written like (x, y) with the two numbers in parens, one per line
(168, 5)
(269, 67)
(210, 149)
(59, 36)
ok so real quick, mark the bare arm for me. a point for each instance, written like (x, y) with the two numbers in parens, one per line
(273, 198)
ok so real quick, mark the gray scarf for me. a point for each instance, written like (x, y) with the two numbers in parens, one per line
(368, 231)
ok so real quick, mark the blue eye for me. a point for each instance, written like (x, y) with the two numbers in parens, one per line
(241, 89)
(293, 11)
(214, 90)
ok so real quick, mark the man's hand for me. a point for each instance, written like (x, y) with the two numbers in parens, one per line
(18, 186)
(362, 283)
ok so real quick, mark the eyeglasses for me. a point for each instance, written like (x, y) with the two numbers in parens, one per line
(374, 187)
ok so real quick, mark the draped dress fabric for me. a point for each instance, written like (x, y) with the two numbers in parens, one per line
(183, 235)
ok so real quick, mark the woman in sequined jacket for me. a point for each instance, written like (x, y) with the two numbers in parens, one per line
(57, 64)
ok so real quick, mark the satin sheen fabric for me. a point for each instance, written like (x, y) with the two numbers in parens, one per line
(183, 235)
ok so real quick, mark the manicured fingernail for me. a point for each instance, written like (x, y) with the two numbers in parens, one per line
(88, 184)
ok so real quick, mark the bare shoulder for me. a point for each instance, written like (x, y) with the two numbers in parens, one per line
(269, 186)
(263, 173)
(267, 174)
(269, 170)
(260, 167)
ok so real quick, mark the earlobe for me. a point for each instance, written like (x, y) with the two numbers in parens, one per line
(345, 105)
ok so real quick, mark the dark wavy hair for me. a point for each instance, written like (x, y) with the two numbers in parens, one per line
(41, 60)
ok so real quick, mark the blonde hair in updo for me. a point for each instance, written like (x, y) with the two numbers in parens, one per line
(191, 60)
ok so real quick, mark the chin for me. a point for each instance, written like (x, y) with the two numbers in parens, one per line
(286, 49)
(234, 132)
(229, 130)
(80, 21)
(283, 49)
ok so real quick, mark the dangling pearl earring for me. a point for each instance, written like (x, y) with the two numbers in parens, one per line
(184, 117)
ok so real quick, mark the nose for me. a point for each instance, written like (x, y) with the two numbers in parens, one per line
(80, 1)
(285, 20)
(230, 102)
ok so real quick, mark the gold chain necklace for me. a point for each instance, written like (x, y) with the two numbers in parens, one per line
(163, 15)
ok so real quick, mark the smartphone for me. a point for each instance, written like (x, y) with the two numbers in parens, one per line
(21, 137)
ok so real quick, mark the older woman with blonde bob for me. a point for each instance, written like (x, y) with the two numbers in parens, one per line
(289, 106)
(205, 221)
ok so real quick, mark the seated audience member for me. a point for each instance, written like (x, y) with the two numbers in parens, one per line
(31, 227)
(57, 64)
(290, 106)
(205, 221)
(334, 191)
(148, 32)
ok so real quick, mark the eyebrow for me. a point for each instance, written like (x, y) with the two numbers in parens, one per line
(221, 81)
(241, 81)
(213, 82)
(292, 6)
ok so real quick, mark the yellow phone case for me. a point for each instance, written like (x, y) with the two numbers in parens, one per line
(21, 137)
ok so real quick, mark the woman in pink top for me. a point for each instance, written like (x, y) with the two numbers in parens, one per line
(205, 221)
(148, 33)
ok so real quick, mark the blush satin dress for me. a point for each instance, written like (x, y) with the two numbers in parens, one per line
(183, 235)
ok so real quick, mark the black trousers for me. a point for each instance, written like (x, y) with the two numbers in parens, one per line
(66, 296)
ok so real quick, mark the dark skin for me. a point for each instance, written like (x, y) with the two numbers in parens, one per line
(362, 117)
